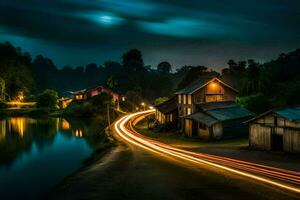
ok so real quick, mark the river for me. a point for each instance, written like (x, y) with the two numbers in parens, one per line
(36, 154)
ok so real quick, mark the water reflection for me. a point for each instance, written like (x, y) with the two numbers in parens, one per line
(42, 151)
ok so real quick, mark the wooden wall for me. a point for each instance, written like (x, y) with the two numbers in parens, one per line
(260, 133)
(260, 137)
(203, 132)
(188, 127)
(217, 131)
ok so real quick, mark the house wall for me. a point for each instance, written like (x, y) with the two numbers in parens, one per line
(188, 127)
(260, 133)
(291, 141)
(217, 131)
(259, 136)
(166, 118)
(203, 132)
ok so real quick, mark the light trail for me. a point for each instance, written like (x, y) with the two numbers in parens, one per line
(286, 179)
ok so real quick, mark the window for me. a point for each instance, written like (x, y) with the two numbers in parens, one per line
(79, 97)
(214, 88)
(179, 98)
(214, 98)
(189, 111)
(184, 99)
(189, 99)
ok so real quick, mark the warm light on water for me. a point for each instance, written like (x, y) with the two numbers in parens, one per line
(41, 152)
(18, 125)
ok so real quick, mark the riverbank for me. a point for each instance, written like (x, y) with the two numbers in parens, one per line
(102, 154)
(233, 148)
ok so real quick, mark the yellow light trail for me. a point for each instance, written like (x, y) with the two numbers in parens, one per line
(124, 129)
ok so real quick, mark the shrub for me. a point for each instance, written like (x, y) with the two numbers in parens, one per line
(257, 103)
(47, 99)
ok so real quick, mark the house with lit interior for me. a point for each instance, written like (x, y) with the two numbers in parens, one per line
(94, 91)
(166, 113)
(82, 95)
(206, 109)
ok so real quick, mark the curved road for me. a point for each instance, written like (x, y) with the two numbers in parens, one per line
(141, 168)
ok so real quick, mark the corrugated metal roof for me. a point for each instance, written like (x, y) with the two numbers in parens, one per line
(230, 113)
(216, 105)
(292, 114)
(202, 118)
(220, 114)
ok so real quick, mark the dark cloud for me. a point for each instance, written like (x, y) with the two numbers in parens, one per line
(182, 32)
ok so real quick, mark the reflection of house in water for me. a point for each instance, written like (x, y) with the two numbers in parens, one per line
(78, 133)
(16, 125)
(76, 129)
(64, 124)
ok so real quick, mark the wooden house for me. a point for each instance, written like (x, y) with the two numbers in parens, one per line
(204, 90)
(167, 113)
(78, 95)
(216, 120)
(94, 91)
(277, 129)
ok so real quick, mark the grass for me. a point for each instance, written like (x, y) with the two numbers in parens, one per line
(176, 138)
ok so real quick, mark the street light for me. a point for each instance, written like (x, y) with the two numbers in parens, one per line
(143, 104)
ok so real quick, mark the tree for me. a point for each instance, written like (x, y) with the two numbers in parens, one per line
(111, 82)
(15, 70)
(164, 67)
(2, 90)
(133, 61)
(47, 99)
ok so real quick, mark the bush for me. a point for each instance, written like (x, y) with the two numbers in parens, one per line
(257, 103)
(47, 99)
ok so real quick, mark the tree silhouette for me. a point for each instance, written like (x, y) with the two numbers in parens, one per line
(164, 67)
(133, 61)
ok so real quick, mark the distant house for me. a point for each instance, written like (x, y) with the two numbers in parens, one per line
(166, 113)
(277, 129)
(64, 102)
(216, 120)
(94, 91)
(79, 95)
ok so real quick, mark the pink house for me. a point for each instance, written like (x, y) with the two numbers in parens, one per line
(94, 91)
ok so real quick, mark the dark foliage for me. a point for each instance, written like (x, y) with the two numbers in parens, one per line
(47, 99)
(15, 71)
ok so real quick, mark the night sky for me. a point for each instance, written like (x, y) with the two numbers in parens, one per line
(186, 32)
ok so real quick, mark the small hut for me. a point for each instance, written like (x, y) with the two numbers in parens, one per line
(277, 129)
(167, 113)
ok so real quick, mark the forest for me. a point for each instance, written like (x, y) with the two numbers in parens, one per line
(262, 86)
